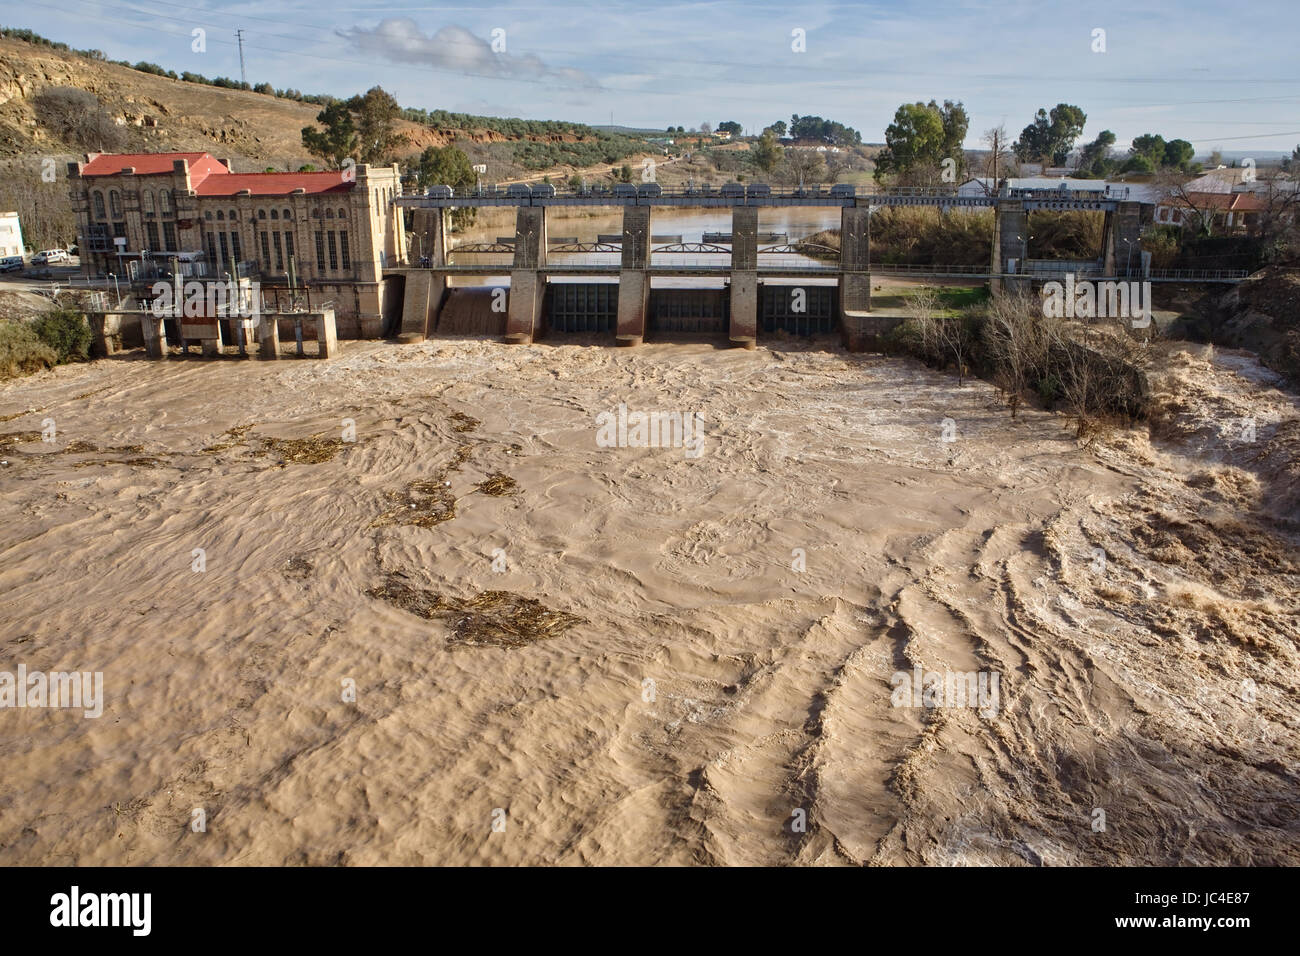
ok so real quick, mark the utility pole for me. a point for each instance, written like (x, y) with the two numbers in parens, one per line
(243, 78)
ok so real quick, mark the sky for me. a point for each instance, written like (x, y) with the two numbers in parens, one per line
(1221, 75)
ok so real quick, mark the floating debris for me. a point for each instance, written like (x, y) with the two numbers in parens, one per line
(235, 437)
(298, 566)
(427, 502)
(489, 619)
(464, 423)
(19, 438)
(498, 485)
(303, 451)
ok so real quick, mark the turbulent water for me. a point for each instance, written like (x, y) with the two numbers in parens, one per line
(729, 690)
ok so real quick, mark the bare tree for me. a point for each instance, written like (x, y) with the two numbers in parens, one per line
(1018, 337)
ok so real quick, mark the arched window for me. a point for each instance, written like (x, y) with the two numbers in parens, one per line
(208, 215)
(146, 197)
(275, 214)
(329, 213)
(221, 215)
(261, 214)
(343, 213)
(286, 214)
(232, 217)
(315, 213)
(99, 206)
(165, 201)
(115, 203)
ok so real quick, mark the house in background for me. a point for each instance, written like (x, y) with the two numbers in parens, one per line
(329, 232)
(11, 235)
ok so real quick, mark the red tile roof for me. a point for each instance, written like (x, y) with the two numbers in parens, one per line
(1236, 202)
(210, 177)
(273, 184)
(151, 164)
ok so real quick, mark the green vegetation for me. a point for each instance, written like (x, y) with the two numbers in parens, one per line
(66, 332)
(61, 335)
(1050, 137)
(21, 350)
(823, 130)
(922, 137)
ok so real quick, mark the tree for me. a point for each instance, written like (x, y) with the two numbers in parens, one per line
(1151, 147)
(377, 115)
(915, 138)
(805, 166)
(1050, 137)
(730, 126)
(778, 128)
(706, 129)
(444, 166)
(338, 140)
(1178, 154)
(955, 124)
(999, 161)
(76, 117)
(1095, 157)
(768, 152)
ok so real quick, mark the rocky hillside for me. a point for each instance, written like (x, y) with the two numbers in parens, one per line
(255, 130)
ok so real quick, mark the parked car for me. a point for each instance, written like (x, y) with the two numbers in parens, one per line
(49, 257)
(11, 263)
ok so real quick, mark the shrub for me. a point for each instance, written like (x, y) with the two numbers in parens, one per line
(66, 332)
(21, 350)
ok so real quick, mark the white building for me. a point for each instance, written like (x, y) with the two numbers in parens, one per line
(11, 235)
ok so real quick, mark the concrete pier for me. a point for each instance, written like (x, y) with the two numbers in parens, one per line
(527, 283)
(155, 335)
(1010, 242)
(634, 276)
(422, 297)
(1123, 236)
(855, 256)
(744, 276)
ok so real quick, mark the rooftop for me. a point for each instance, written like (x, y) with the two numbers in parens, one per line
(209, 176)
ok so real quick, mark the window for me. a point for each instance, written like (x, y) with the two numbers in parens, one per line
(261, 214)
(119, 230)
(279, 252)
(208, 215)
(329, 213)
(343, 213)
(320, 251)
(151, 236)
(169, 236)
(343, 247)
(334, 256)
(165, 201)
(266, 252)
(275, 214)
(225, 248)
(211, 247)
(288, 245)
(115, 203)
(147, 201)
(234, 246)
(286, 214)
(99, 206)
(232, 217)
(315, 213)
